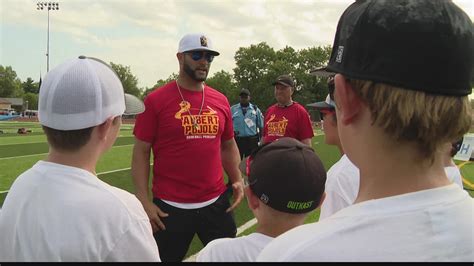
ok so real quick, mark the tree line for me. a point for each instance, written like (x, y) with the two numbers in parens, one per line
(257, 66)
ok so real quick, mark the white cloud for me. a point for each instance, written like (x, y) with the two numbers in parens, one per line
(144, 34)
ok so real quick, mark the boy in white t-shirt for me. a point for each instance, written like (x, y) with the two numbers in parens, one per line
(396, 109)
(342, 184)
(285, 183)
(59, 210)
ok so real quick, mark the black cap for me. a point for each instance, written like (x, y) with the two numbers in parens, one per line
(286, 175)
(284, 80)
(244, 92)
(423, 45)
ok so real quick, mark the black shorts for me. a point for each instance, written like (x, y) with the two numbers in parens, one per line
(209, 223)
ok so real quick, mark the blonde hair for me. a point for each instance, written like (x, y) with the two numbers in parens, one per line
(428, 120)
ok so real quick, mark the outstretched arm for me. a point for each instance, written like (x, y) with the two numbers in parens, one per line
(230, 162)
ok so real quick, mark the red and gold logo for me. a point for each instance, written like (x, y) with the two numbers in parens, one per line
(277, 128)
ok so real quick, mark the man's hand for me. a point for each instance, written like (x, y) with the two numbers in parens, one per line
(238, 194)
(154, 213)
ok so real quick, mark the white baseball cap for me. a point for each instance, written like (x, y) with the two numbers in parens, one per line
(196, 41)
(83, 92)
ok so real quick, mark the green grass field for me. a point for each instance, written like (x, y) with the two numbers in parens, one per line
(20, 152)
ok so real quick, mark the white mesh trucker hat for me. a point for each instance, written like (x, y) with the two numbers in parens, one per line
(83, 92)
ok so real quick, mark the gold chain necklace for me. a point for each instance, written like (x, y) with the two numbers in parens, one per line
(184, 102)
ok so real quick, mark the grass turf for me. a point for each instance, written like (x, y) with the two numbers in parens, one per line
(34, 146)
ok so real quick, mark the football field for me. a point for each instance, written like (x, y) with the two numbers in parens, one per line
(18, 152)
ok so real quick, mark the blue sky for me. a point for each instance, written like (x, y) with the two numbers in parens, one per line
(144, 34)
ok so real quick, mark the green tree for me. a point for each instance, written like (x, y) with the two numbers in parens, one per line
(10, 84)
(158, 84)
(129, 81)
(32, 99)
(29, 86)
(259, 65)
(223, 82)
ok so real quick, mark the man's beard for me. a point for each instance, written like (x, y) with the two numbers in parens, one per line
(192, 73)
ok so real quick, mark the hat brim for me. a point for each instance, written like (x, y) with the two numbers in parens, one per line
(213, 52)
(282, 83)
(322, 72)
(133, 105)
(320, 105)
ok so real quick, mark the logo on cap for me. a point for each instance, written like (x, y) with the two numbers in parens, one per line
(203, 41)
(340, 52)
(264, 198)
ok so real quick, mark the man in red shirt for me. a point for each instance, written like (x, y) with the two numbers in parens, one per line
(188, 126)
(287, 118)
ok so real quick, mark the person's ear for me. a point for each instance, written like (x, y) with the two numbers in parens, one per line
(348, 103)
(180, 57)
(252, 199)
(104, 128)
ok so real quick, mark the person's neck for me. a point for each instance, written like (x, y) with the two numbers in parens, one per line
(285, 104)
(84, 159)
(187, 83)
(244, 104)
(397, 169)
(277, 226)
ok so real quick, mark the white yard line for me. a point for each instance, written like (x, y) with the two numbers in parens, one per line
(36, 154)
(22, 156)
(240, 230)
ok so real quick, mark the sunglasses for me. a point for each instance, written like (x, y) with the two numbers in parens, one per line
(325, 112)
(198, 55)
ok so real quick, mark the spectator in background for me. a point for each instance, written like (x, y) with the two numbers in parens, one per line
(59, 210)
(285, 183)
(248, 124)
(394, 108)
(287, 118)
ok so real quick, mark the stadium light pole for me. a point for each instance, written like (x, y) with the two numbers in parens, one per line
(47, 6)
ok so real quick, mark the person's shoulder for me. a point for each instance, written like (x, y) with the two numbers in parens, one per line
(123, 202)
(157, 91)
(299, 106)
(211, 91)
(272, 107)
(279, 248)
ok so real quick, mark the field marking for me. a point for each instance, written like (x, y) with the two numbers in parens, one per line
(464, 180)
(240, 230)
(22, 156)
(19, 143)
(45, 141)
(101, 173)
(36, 154)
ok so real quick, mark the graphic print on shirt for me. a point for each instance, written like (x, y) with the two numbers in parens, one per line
(205, 125)
(277, 128)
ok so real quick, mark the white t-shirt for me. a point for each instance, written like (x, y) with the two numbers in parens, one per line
(342, 187)
(430, 225)
(240, 249)
(454, 175)
(55, 212)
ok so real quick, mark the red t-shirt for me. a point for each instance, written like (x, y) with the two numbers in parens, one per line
(187, 159)
(292, 121)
